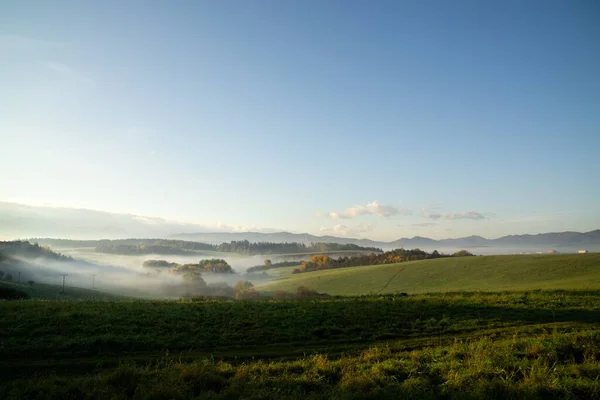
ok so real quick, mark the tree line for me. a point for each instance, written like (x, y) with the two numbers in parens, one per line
(158, 246)
(320, 262)
(159, 264)
(255, 248)
(182, 247)
(215, 266)
(28, 250)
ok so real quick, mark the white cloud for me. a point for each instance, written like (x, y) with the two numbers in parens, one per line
(430, 215)
(474, 215)
(149, 220)
(373, 208)
(344, 230)
(425, 224)
(221, 226)
(465, 215)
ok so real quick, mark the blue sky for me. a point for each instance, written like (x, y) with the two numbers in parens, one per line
(375, 119)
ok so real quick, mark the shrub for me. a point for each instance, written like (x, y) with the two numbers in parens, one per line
(280, 295)
(303, 291)
(220, 289)
(247, 294)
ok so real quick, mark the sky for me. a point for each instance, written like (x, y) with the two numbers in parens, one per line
(378, 119)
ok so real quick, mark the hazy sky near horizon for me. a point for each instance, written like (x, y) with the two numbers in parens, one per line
(379, 119)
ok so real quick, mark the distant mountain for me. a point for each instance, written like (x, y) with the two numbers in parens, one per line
(544, 241)
(274, 237)
(23, 221)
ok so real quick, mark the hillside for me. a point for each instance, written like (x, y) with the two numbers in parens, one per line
(54, 292)
(488, 273)
(27, 250)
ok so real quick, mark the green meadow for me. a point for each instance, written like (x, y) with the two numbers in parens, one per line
(504, 327)
(482, 273)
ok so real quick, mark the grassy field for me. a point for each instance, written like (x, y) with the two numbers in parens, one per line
(338, 347)
(489, 273)
(513, 340)
(549, 365)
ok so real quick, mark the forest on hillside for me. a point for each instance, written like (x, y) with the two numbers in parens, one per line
(19, 248)
(320, 262)
(183, 247)
(249, 248)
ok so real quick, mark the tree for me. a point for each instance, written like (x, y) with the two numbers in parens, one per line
(243, 288)
(194, 277)
(462, 253)
(220, 289)
(268, 263)
(9, 277)
(1, 274)
(30, 283)
(243, 285)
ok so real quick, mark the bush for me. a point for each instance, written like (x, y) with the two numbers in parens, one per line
(462, 253)
(303, 291)
(220, 289)
(247, 294)
(280, 295)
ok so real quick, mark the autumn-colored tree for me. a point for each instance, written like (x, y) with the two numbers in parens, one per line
(320, 259)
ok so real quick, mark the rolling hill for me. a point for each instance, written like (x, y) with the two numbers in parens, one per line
(485, 273)
(54, 292)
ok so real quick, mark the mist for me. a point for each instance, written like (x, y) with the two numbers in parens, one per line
(127, 279)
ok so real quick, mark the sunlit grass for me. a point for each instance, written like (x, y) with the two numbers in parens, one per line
(557, 365)
(492, 273)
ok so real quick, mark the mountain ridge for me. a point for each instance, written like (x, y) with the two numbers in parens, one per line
(550, 239)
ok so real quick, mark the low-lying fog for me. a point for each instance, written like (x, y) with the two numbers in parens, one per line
(125, 274)
(238, 262)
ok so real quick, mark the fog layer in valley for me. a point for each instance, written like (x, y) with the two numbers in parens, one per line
(239, 263)
(123, 275)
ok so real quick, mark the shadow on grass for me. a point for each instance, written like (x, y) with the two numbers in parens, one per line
(88, 335)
